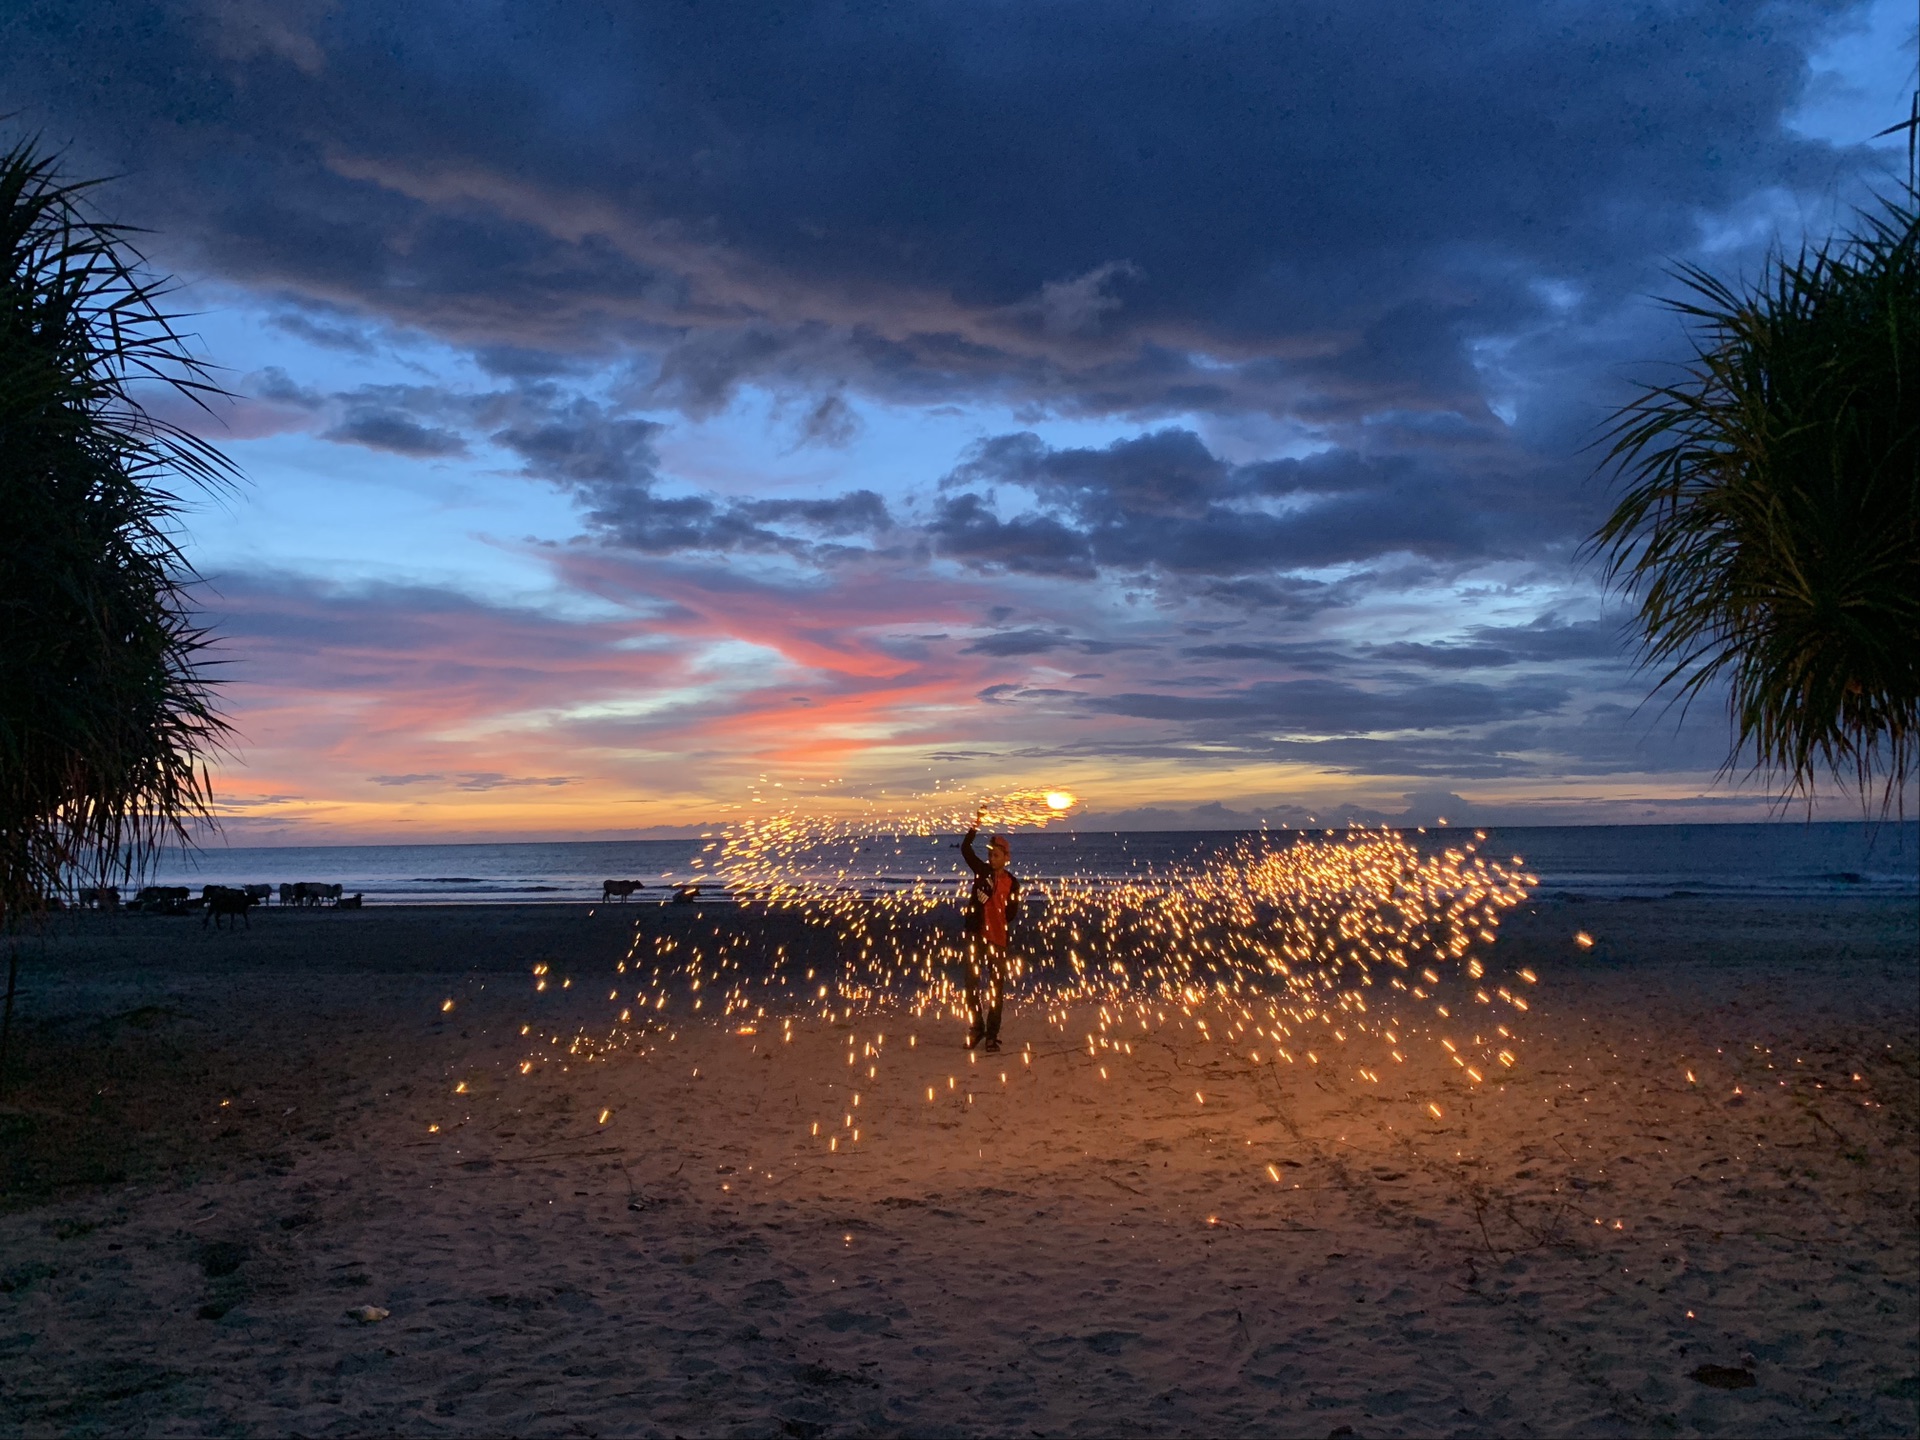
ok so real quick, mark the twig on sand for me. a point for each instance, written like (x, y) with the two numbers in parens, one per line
(1819, 1119)
(560, 1155)
(1480, 1218)
(636, 1199)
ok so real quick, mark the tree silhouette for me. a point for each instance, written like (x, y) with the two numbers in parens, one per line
(1770, 525)
(107, 719)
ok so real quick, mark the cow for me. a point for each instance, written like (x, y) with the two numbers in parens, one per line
(313, 892)
(685, 894)
(620, 889)
(350, 902)
(261, 893)
(163, 899)
(219, 900)
(98, 897)
(287, 896)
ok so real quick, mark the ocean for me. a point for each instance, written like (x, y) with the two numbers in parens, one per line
(1598, 861)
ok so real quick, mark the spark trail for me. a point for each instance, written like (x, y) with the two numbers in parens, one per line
(1338, 950)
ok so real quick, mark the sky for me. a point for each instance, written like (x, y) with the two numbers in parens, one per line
(1191, 407)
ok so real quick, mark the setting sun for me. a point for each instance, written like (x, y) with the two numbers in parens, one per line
(1059, 800)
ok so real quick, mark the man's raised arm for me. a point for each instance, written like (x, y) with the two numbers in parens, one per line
(971, 856)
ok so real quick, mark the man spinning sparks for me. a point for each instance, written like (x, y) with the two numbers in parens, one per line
(996, 890)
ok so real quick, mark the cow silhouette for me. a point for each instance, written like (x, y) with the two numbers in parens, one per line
(163, 899)
(221, 900)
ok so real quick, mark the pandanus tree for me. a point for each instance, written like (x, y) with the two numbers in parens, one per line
(107, 720)
(1769, 528)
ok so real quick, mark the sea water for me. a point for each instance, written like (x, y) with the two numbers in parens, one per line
(1783, 859)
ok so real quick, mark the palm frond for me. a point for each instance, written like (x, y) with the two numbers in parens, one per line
(1769, 528)
(107, 714)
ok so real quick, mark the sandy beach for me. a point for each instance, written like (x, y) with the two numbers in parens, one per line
(1692, 1208)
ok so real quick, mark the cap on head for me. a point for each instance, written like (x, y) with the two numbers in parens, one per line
(998, 844)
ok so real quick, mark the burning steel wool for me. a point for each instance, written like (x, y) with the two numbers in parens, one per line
(1338, 950)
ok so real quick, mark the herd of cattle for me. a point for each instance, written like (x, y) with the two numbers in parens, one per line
(217, 902)
(214, 902)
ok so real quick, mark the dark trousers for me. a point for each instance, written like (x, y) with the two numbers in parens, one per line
(986, 986)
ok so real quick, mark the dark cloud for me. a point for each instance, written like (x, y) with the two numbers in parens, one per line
(1332, 707)
(390, 430)
(1163, 502)
(1069, 201)
(517, 362)
(584, 446)
(318, 329)
(608, 462)
(1040, 642)
(1018, 642)
(1446, 657)
(1169, 473)
(1544, 641)
(605, 458)
(1552, 639)
(965, 528)
(856, 512)
(1285, 598)
(275, 385)
(494, 780)
(405, 779)
(1309, 656)
(830, 422)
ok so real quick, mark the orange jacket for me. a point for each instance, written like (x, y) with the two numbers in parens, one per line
(992, 899)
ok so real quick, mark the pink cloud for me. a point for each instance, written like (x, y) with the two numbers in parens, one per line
(389, 698)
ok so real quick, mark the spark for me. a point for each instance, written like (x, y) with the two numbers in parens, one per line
(1334, 946)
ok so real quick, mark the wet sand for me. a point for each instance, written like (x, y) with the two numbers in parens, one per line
(216, 1146)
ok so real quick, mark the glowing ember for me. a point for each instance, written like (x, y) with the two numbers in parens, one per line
(1339, 950)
